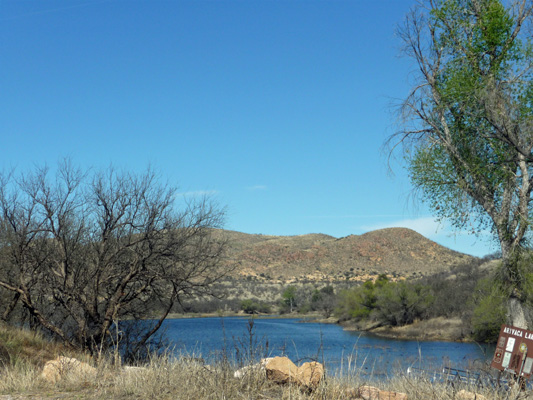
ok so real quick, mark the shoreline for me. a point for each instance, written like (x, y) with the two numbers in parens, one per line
(434, 330)
(241, 315)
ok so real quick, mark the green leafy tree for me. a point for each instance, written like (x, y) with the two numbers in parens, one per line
(381, 281)
(467, 127)
(359, 303)
(489, 311)
(289, 298)
(249, 306)
(401, 303)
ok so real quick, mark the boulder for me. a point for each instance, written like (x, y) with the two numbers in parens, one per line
(466, 395)
(62, 367)
(241, 373)
(282, 370)
(373, 393)
(310, 374)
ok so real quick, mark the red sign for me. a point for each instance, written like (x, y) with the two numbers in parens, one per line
(514, 351)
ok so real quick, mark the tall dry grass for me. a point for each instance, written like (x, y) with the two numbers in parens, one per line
(167, 376)
(27, 346)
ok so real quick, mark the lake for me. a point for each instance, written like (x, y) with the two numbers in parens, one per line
(339, 350)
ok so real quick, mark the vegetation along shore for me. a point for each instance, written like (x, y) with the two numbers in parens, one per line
(24, 354)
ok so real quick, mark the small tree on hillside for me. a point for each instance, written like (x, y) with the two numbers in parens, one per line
(289, 298)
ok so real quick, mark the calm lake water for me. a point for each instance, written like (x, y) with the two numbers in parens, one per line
(213, 338)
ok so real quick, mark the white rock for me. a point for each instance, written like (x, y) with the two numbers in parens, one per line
(63, 367)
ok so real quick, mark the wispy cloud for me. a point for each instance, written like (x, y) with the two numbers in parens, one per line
(257, 187)
(198, 193)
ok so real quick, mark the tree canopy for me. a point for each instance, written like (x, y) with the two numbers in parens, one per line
(467, 124)
(81, 250)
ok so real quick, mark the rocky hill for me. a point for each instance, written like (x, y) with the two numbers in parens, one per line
(398, 252)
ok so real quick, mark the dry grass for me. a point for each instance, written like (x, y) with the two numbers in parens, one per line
(439, 328)
(25, 346)
(168, 377)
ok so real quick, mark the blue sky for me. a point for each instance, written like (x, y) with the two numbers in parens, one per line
(278, 109)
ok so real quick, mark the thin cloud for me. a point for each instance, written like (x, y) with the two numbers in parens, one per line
(198, 193)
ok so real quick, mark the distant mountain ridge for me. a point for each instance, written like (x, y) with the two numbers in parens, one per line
(398, 252)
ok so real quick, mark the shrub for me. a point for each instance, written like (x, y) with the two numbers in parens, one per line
(358, 303)
(251, 306)
(402, 303)
(489, 310)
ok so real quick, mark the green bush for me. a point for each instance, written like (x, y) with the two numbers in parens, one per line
(489, 310)
(359, 302)
(251, 306)
(356, 303)
(401, 303)
(393, 303)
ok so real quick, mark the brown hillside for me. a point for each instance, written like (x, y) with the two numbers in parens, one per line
(399, 252)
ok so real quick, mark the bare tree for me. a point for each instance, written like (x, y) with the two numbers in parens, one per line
(468, 122)
(82, 250)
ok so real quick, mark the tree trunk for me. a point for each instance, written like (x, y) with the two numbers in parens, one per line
(516, 313)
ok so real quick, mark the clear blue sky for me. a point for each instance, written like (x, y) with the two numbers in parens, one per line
(278, 109)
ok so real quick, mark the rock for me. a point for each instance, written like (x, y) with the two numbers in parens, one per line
(63, 367)
(466, 395)
(366, 392)
(310, 374)
(373, 393)
(241, 373)
(265, 361)
(282, 370)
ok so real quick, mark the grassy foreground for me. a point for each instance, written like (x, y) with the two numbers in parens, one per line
(166, 377)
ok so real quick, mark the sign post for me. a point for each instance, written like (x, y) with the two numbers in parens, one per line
(514, 352)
